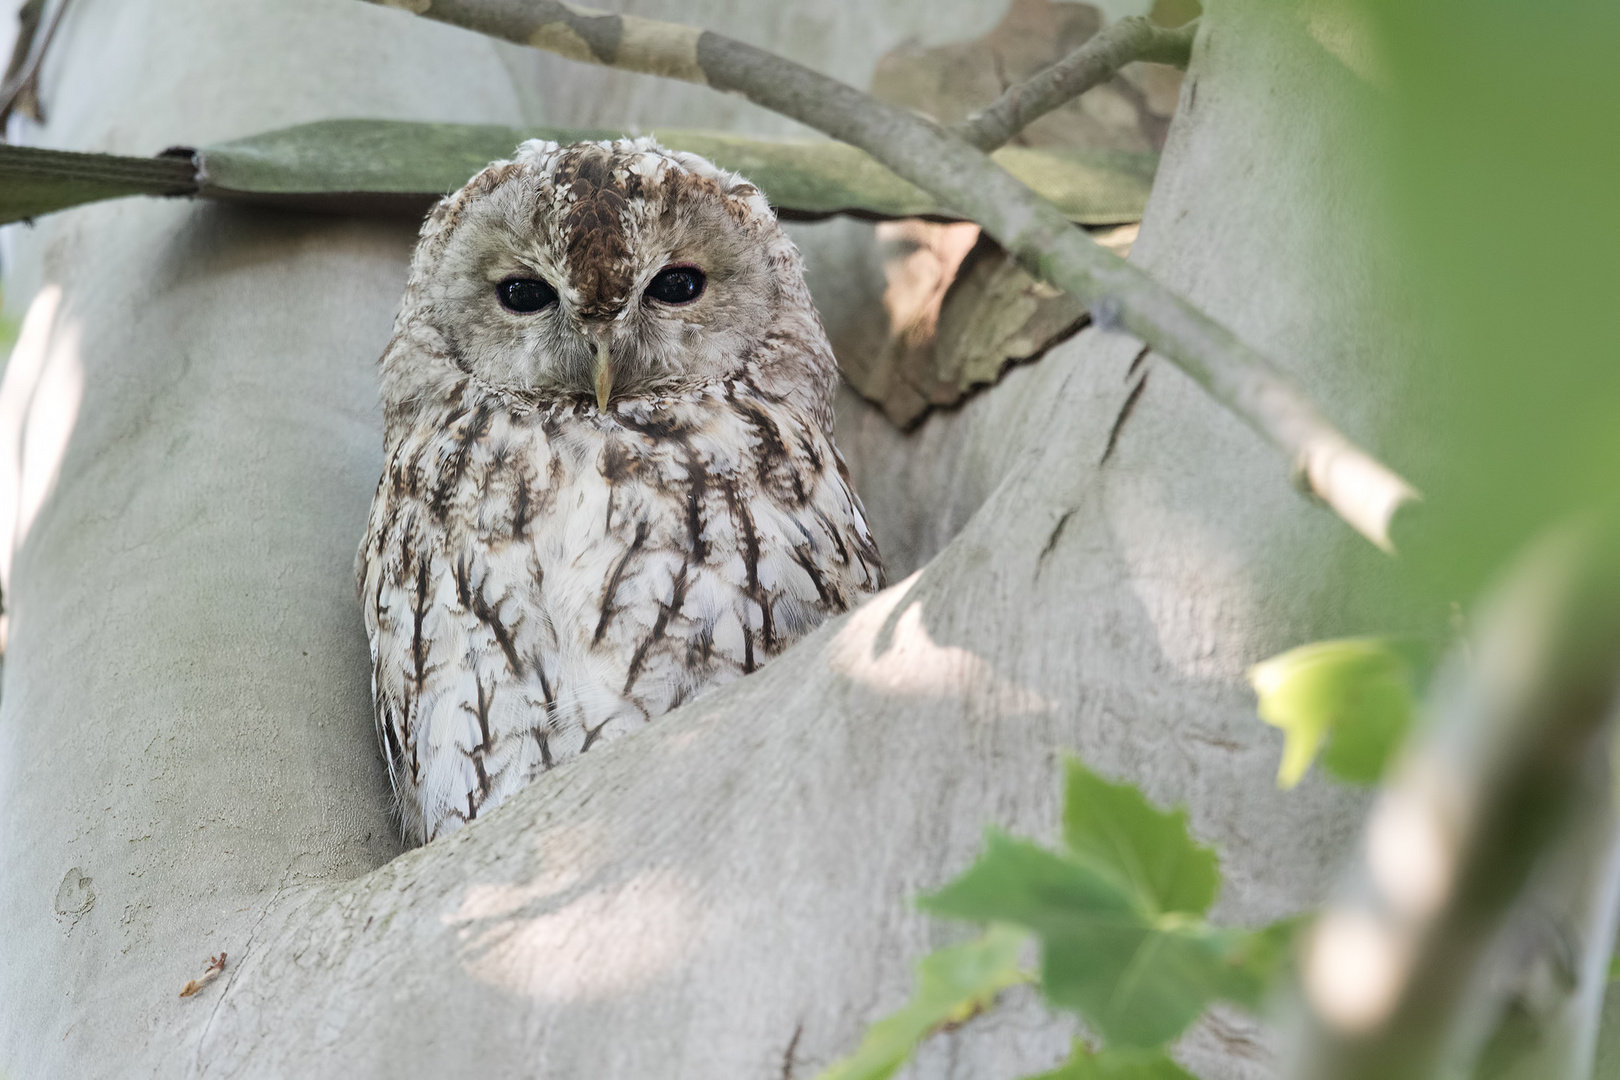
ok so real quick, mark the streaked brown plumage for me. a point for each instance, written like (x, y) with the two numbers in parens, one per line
(541, 572)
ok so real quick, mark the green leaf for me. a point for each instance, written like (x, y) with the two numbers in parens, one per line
(1256, 958)
(1116, 1064)
(1492, 97)
(1137, 976)
(36, 181)
(1139, 986)
(1020, 882)
(953, 985)
(801, 177)
(1355, 693)
(1118, 915)
(1114, 827)
(401, 168)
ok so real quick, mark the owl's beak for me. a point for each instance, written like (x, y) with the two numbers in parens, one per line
(604, 373)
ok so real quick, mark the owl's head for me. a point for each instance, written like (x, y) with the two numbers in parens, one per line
(605, 270)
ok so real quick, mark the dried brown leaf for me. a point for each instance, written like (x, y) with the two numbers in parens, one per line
(216, 964)
(957, 312)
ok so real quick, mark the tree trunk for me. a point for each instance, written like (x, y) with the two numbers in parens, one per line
(190, 439)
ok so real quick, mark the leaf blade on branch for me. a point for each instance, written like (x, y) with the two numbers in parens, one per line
(953, 984)
(1114, 825)
(802, 178)
(400, 168)
(1139, 978)
(1116, 1063)
(36, 181)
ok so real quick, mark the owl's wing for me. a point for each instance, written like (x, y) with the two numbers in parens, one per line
(458, 640)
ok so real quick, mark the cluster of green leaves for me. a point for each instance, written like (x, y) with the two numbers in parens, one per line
(1117, 914)
(1351, 699)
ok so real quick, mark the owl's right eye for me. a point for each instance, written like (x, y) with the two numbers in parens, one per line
(525, 295)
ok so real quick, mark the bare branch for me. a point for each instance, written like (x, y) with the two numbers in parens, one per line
(1130, 39)
(21, 86)
(1509, 768)
(27, 26)
(1362, 490)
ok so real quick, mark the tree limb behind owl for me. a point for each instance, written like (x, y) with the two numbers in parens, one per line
(610, 480)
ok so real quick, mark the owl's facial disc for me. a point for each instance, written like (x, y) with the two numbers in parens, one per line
(687, 304)
(607, 271)
(673, 286)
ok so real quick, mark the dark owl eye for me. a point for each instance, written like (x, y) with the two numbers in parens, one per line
(677, 285)
(525, 295)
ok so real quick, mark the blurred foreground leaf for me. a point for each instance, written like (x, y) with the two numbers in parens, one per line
(1114, 827)
(1116, 1064)
(1139, 978)
(953, 985)
(1506, 417)
(1355, 693)
(1117, 914)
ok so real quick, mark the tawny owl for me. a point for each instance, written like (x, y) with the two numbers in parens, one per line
(610, 479)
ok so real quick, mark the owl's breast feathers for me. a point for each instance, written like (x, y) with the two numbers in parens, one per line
(537, 578)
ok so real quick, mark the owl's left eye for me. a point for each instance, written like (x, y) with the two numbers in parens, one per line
(525, 295)
(677, 285)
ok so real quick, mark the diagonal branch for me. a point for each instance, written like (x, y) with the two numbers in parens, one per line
(27, 26)
(1510, 766)
(1130, 39)
(21, 85)
(1362, 490)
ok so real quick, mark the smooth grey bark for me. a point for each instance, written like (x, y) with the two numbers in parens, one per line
(726, 894)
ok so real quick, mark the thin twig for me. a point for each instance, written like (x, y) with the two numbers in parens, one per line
(1509, 765)
(27, 26)
(22, 75)
(1128, 40)
(1363, 491)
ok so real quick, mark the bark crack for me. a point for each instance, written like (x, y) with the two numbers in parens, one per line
(235, 969)
(1124, 414)
(1051, 541)
(788, 1061)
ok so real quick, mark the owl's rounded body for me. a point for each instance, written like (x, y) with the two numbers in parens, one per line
(610, 480)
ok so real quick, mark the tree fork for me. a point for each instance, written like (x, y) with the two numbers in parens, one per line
(1362, 490)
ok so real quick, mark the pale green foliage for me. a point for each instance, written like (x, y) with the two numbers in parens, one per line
(953, 985)
(1356, 694)
(1114, 828)
(1118, 912)
(1116, 1064)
